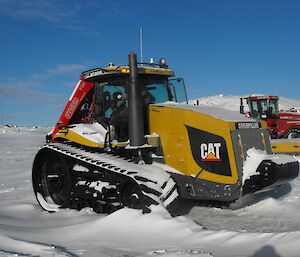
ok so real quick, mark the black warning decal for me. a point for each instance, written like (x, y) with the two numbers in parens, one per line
(209, 151)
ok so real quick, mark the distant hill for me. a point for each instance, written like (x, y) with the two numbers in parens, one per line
(232, 102)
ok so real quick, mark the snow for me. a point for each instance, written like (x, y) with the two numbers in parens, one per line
(215, 111)
(94, 132)
(225, 102)
(253, 159)
(266, 224)
(80, 168)
(285, 140)
(228, 107)
(232, 102)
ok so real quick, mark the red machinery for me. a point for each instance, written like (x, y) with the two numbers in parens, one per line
(281, 124)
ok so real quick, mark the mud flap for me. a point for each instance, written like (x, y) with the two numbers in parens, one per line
(270, 175)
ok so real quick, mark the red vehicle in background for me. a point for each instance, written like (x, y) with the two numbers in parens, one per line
(281, 124)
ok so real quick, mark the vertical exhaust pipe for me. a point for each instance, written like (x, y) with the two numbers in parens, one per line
(135, 105)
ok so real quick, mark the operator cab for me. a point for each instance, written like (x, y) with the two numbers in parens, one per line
(110, 94)
(261, 107)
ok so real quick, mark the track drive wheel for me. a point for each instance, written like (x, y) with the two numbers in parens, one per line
(51, 180)
(132, 197)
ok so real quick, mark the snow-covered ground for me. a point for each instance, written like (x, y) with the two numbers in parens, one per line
(262, 225)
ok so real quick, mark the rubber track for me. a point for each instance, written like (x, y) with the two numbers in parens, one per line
(153, 181)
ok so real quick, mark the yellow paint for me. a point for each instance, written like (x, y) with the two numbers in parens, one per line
(286, 147)
(159, 71)
(142, 70)
(74, 137)
(169, 123)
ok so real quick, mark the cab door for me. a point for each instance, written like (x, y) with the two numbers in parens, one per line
(178, 90)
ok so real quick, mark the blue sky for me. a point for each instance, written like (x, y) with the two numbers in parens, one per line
(230, 47)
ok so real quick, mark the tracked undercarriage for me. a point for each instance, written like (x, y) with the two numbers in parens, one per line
(71, 176)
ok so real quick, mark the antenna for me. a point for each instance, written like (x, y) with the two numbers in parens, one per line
(2, 115)
(141, 44)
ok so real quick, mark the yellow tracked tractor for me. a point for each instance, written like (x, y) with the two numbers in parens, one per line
(127, 137)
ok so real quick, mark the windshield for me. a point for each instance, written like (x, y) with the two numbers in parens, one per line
(155, 90)
(254, 108)
(273, 107)
(177, 88)
(264, 108)
(113, 93)
(111, 100)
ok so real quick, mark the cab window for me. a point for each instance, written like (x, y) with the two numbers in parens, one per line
(254, 107)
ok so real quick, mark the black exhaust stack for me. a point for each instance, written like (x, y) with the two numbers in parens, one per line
(135, 105)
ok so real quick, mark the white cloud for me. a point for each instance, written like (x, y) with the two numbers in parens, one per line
(23, 91)
(63, 13)
(47, 10)
(68, 69)
(71, 83)
(33, 89)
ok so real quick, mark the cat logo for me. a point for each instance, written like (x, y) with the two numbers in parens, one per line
(210, 152)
